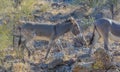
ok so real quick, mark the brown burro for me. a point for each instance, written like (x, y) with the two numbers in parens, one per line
(105, 28)
(48, 32)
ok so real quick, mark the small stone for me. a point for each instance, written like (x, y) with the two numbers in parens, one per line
(58, 55)
(8, 58)
(78, 41)
(63, 69)
(54, 63)
(82, 67)
(84, 58)
(43, 65)
(69, 62)
(116, 53)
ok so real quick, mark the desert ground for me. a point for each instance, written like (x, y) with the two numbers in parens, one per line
(69, 53)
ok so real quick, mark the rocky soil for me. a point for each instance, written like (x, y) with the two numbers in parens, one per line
(66, 59)
(68, 54)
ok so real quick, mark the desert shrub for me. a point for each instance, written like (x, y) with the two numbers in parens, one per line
(6, 27)
(27, 7)
(85, 23)
(5, 6)
(45, 7)
(5, 36)
(10, 16)
(21, 67)
(98, 65)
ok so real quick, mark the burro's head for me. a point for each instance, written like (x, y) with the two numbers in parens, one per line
(75, 27)
(89, 39)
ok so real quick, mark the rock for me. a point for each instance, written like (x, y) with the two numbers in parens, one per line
(43, 66)
(86, 50)
(55, 5)
(118, 64)
(116, 53)
(8, 58)
(84, 58)
(78, 13)
(116, 59)
(58, 55)
(63, 69)
(2, 69)
(47, 15)
(55, 63)
(69, 62)
(43, 16)
(64, 5)
(36, 11)
(102, 59)
(56, 18)
(82, 67)
(38, 44)
(78, 41)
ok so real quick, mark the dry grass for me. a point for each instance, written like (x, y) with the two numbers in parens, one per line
(21, 67)
(38, 56)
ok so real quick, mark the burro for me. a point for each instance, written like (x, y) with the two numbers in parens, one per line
(50, 32)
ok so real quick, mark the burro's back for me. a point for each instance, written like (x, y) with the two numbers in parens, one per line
(37, 31)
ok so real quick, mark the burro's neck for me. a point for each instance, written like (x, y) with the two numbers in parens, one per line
(63, 28)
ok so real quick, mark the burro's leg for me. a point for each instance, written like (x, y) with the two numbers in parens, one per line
(21, 48)
(104, 32)
(52, 38)
(96, 38)
(106, 43)
(24, 46)
(49, 48)
(28, 47)
(105, 37)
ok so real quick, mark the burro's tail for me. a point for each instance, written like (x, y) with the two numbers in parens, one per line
(20, 36)
(93, 35)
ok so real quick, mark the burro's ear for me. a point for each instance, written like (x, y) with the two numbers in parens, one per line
(72, 20)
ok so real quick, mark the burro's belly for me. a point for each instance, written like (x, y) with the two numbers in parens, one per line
(114, 34)
(41, 38)
(114, 37)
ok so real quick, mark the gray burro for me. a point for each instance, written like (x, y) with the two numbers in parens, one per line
(105, 28)
(32, 31)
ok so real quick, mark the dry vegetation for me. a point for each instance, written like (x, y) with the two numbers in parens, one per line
(13, 60)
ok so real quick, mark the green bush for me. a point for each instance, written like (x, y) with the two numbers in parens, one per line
(85, 23)
(44, 8)
(5, 36)
(6, 8)
(10, 16)
(27, 7)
